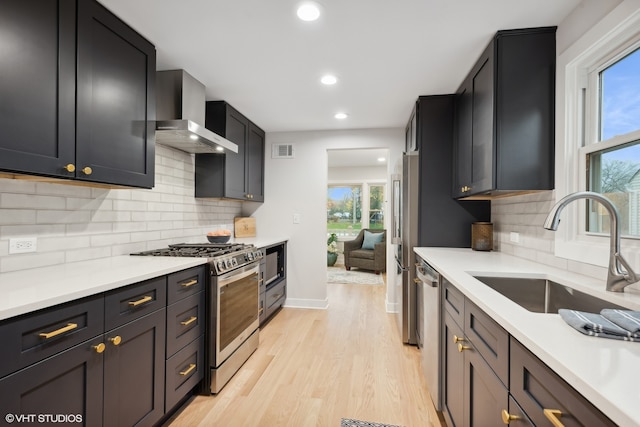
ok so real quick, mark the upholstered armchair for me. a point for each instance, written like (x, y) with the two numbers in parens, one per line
(368, 251)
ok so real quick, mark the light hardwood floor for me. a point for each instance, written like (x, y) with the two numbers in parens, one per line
(314, 367)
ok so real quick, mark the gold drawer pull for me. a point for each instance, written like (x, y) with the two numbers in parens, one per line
(462, 348)
(187, 371)
(87, 170)
(507, 417)
(140, 301)
(457, 339)
(99, 348)
(69, 327)
(553, 415)
(70, 167)
(189, 321)
(189, 283)
(116, 340)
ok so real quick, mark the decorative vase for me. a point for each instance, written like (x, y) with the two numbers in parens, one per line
(332, 257)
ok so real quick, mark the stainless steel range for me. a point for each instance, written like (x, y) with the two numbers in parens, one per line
(232, 313)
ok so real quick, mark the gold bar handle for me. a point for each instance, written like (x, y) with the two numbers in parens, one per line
(140, 301)
(187, 371)
(189, 283)
(553, 415)
(189, 321)
(261, 310)
(69, 327)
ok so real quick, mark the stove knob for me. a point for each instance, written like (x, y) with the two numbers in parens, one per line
(249, 256)
(227, 263)
(220, 265)
(234, 262)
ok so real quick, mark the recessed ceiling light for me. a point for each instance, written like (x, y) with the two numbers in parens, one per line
(308, 11)
(219, 148)
(329, 79)
(194, 137)
(341, 116)
(381, 159)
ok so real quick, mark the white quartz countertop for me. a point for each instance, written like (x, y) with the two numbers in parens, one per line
(26, 291)
(604, 371)
(260, 242)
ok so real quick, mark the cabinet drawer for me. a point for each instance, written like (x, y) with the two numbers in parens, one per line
(536, 388)
(275, 293)
(185, 283)
(185, 322)
(488, 339)
(518, 417)
(30, 338)
(132, 302)
(184, 371)
(453, 301)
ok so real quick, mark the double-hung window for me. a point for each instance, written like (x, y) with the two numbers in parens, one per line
(598, 136)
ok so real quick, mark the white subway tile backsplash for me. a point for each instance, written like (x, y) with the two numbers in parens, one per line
(74, 222)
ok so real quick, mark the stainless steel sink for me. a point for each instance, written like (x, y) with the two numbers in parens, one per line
(545, 296)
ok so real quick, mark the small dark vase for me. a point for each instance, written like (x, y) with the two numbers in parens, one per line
(332, 257)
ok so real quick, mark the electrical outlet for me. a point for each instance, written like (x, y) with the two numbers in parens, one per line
(296, 218)
(23, 245)
(514, 237)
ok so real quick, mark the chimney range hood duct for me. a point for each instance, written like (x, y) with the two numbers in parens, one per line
(180, 115)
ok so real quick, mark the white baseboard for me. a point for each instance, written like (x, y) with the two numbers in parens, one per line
(317, 304)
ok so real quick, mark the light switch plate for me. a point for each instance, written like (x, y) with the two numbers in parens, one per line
(514, 237)
(296, 218)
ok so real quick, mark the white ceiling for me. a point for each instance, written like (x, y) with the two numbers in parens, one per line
(259, 57)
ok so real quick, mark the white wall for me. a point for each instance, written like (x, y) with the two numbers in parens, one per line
(299, 186)
(74, 223)
(526, 214)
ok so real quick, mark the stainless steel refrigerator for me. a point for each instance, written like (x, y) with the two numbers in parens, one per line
(405, 200)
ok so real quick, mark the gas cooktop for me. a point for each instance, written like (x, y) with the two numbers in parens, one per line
(223, 257)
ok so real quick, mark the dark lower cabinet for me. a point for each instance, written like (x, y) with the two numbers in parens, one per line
(134, 372)
(547, 398)
(60, 360)
(69, 383)
(491, 379)
(473, 394)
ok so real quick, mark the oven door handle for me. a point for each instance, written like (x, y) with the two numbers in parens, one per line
(239, 274)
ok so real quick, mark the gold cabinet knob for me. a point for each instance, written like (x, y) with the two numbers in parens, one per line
(553, 415)
(99, 348)
(87, 170)
(462, 348)
(457, 339)
(507, 417)
(116, 340)
(70, 167)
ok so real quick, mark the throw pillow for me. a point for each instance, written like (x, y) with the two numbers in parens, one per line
(370, 239)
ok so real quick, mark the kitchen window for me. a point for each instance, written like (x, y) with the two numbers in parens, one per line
(598, 135)
(612, 153)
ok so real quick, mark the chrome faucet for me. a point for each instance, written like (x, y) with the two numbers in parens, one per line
(618, 278)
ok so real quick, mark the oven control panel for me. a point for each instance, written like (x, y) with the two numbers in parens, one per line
(231, 262)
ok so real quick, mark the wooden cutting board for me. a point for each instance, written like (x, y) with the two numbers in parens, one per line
(244, 227)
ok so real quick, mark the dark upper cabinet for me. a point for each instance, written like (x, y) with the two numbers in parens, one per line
(505, 115)
(238, 175)
(116, 100)
(37, 88)
(80, 108)
(443, 221)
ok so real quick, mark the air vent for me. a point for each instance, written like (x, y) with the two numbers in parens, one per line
(282, 151)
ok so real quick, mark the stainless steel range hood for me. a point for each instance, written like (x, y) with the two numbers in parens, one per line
(180, 115)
